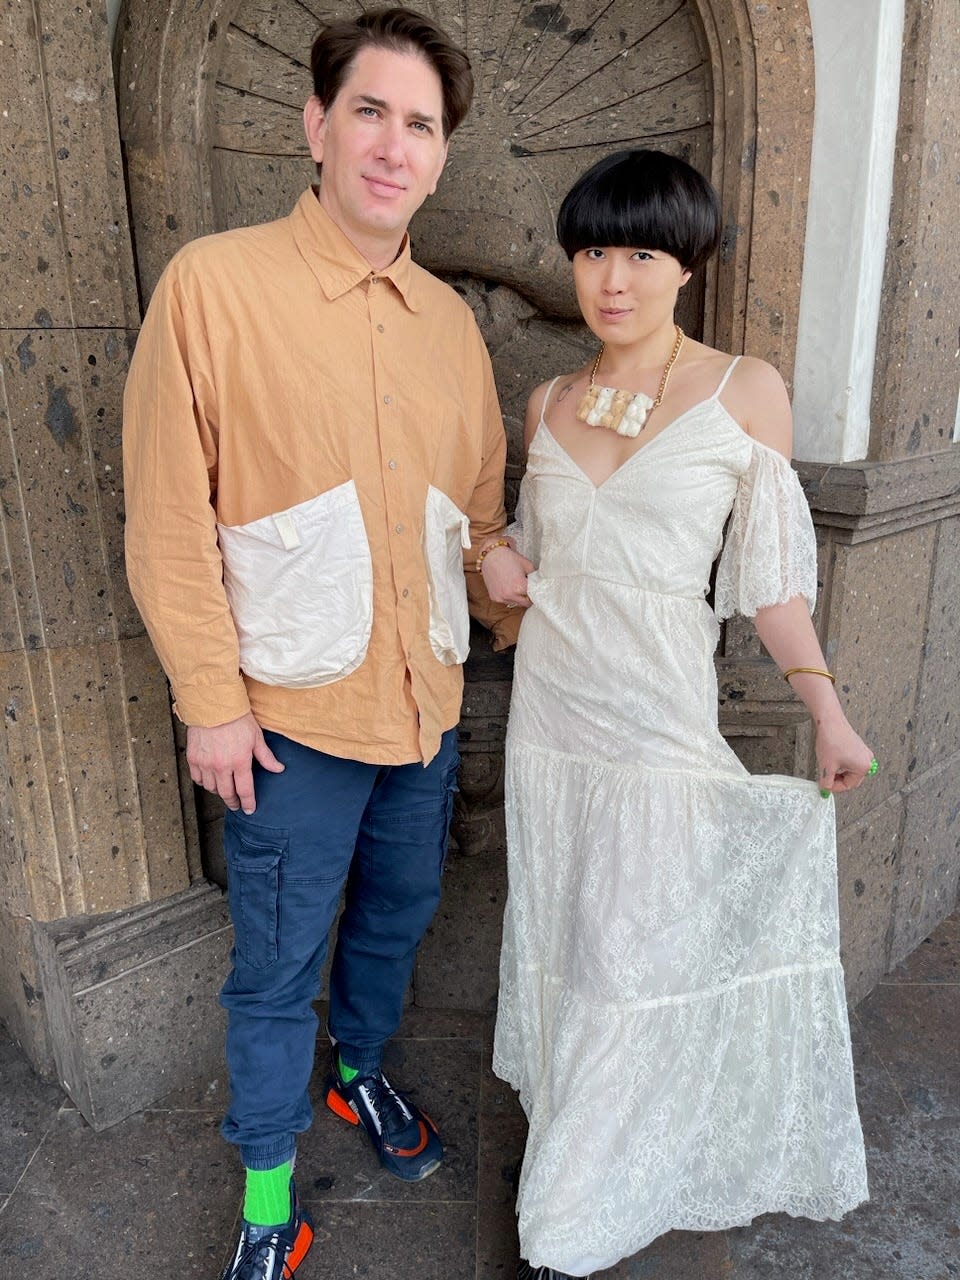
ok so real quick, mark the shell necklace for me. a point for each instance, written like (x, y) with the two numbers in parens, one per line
(624, 412)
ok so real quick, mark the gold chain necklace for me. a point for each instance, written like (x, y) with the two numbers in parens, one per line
(625, 412)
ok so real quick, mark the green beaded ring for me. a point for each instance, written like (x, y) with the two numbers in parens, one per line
(874, 766)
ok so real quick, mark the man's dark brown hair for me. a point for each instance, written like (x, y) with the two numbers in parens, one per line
(403, 31)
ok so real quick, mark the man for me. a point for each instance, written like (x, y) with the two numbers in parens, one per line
(312, 439)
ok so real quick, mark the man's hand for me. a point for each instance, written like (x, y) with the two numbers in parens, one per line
(221, 759)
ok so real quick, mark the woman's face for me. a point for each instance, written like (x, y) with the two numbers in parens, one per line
(626, 294)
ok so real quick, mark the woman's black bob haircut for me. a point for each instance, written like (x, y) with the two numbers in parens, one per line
(642, 200)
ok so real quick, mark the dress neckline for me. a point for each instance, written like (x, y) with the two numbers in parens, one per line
(700, 404)
(650, 441)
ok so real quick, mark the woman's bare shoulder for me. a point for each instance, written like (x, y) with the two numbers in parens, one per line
(558, 389)
(757, 398)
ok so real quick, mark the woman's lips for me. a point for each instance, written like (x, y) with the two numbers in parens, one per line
(613, 313)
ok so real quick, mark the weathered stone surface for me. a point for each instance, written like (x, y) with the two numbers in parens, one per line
(915, 390)
(897, 1240)
(439, 1240)
(33, 266)
(916, 1039)
(28, 1107)
(458, 961)
(96, 802)
(784, 44)
(877, 488)
(22, 1008)
(936, 959)
(771, 750)
(929, 859)
(62, 513)
(866, 862)
(938, 707)
(71, 262)
(158, 1186)
(114, 988)
(877, 612)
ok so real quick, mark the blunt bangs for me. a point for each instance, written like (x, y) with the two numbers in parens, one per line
(642, 200)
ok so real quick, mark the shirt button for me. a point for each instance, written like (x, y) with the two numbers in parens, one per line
(379, 328)
(392, 464)
(388, 399)
(398, 528)
(405, 592)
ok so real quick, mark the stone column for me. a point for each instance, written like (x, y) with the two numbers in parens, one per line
(890, 532)
(93, 823)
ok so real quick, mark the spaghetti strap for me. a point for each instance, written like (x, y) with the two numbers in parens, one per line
(543, 407)
(727, 372)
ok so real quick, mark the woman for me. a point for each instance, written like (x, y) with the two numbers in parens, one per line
(672, 1004)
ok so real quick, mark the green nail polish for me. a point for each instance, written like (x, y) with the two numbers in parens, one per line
(824, 793)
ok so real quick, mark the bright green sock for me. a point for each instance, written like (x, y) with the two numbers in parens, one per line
(346, 1073)
(267, 1201)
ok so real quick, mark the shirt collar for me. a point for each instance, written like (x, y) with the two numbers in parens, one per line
(337, 263)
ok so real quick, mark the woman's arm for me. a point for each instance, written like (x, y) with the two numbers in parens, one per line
(787, 632)
(758, 400)
(505, 570)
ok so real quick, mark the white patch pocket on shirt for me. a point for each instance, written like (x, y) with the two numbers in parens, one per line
(446, 534)
(300, 588)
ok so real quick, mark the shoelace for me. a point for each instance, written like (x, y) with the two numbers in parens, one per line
(256, 1253)
(388, 1104)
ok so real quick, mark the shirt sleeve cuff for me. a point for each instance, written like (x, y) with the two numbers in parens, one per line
(208, 705)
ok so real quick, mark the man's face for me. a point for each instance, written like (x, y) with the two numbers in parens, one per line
(380, 143)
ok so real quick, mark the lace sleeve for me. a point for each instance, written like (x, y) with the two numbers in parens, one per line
(522, 528)
(770, 552)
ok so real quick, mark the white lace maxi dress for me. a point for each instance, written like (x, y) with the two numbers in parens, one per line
(671, 1003)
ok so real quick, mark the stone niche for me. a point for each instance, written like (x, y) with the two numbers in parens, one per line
(211, 94)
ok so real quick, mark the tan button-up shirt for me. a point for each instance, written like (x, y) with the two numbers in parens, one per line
(274, 366)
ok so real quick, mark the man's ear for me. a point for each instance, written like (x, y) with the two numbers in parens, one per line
(315, 126)
(443, 161)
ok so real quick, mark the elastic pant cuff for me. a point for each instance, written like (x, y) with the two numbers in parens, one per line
(363, 1061)
(268, 1155)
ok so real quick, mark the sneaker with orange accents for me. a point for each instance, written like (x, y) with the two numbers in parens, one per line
(272, 1253)
(404, 1137)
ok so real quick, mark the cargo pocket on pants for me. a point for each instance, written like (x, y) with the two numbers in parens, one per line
(253, 890)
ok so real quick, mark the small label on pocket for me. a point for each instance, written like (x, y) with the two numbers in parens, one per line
(287, 530)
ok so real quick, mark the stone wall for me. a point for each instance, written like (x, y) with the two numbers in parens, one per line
(93, 817)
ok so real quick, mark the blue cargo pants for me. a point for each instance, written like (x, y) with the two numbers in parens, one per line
(322, 824)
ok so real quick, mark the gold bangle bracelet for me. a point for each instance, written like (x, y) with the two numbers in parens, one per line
(810, 671)
(491, 546)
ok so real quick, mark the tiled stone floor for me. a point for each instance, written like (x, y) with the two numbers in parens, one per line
(158, 1195)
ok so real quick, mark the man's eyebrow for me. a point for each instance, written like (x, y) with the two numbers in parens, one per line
(370, 101)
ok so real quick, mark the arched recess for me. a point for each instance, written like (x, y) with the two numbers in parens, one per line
(210, 93)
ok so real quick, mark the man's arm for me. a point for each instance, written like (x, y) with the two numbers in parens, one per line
(487, 515)
(170, 437)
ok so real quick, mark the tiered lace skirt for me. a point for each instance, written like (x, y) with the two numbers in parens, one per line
(672, 1007)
